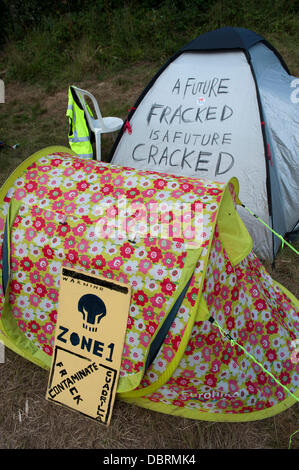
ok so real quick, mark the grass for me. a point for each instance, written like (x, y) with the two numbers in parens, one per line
(101, 39)
(34, 117)
(48, 426)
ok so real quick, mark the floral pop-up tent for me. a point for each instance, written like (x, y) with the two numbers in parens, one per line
(210, 335)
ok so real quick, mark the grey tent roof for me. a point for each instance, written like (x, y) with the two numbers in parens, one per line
(224, 38)
(229, 38)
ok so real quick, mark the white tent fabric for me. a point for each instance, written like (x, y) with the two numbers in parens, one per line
(201, 119)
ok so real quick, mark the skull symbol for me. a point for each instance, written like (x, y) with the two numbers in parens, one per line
(93, 310)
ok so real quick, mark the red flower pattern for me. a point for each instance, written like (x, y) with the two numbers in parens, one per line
(222, 297)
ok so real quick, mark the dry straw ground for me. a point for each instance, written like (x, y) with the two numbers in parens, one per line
(35, 118)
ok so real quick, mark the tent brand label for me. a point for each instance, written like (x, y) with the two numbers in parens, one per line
(90, 331)
(214, 395)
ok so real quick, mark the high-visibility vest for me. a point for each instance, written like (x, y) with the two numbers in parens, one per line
(79, 132)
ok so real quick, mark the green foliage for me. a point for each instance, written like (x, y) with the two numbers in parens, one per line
(63, 40)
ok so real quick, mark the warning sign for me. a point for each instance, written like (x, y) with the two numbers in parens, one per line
(89, 338)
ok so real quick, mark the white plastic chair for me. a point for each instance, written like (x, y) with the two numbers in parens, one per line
(97, 124)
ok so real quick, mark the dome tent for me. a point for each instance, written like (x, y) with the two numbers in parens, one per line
(224, 106)
(209, 333)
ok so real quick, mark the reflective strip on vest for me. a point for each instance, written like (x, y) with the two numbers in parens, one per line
(78, 136)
